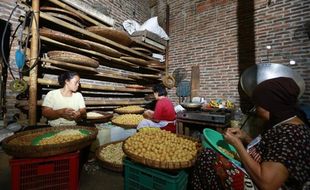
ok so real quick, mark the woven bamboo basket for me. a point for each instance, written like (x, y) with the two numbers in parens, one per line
(66, 18)
(125, 120)
(135, 86)
(103, 49)
(105, 164)
(142, 50)
(104, 118)
(71, 57)
(161, 164)
(126, 126)
(137, 111)
(135, 60)
(27, 149)
(62, 11)
(64, 38)
(112, 34)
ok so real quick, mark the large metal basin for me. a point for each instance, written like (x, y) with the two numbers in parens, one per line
(258, 73)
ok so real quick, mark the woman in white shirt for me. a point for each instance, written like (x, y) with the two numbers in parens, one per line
(64, 106)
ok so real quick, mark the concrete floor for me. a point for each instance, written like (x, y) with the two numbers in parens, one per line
(93, 177)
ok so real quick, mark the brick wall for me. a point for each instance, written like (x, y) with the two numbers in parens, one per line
(224, 37)
(6, 7)
(119, 10)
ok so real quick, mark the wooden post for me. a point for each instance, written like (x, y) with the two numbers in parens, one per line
(195, 81)
(33, 56)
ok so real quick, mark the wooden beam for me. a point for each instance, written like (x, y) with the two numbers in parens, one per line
(95, 87)
(195, 81)
(34, 48)
(98, 102)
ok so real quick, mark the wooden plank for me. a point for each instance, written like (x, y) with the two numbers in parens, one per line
(34, 47)
(93, 86)
(98, 102)
(195, 81)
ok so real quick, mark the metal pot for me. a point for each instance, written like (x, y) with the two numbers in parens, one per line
(191, 105)
(258, 73)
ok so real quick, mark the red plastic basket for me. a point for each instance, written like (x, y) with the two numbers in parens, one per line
(51, 173)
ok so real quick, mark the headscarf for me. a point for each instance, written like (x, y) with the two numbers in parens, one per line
(278, 96)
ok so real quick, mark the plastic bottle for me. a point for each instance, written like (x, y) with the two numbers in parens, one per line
(236, 118)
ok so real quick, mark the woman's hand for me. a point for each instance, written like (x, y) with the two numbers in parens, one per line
(234, 136)
(148, 114)
(67, 113)
(243, 136)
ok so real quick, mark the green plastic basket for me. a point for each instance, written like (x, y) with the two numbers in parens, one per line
(213, 139)
(140, 177)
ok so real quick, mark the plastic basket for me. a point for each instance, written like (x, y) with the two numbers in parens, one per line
(50, 173)
(140, 177)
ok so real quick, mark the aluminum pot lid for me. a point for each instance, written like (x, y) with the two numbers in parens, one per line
(258, 73)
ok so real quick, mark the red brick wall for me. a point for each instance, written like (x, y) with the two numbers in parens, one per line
(226, 36)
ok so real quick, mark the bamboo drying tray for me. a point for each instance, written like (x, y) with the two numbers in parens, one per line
(62, 11)
(64, 38)
(135, 86)
(142, 50)
(104, 163)
(71, 57)
(112, 34)
(135, 60)
(126, 126)
(126, 118)
(27, 149)
(104, 118)
(49, 63)
(103, 49)
(136, 111)
(161, 164)
(66, 18)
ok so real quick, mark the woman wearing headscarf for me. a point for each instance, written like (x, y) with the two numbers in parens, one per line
(277, 159)
(64, 106)
(164, 114)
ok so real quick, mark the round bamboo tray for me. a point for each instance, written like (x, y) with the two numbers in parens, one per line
(66, 18)
(115, 35)
(142, 50)
(62, 11)
(71, 57)
(135, 60)
(106, 164)
(27, 149)
(64, 38)
(161, 164)
(135, 86)
(137, 111)
(103, 49)
(125, 118)
(104, 118)
(126, 126)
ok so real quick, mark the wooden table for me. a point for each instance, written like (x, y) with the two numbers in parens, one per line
(186, 126)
